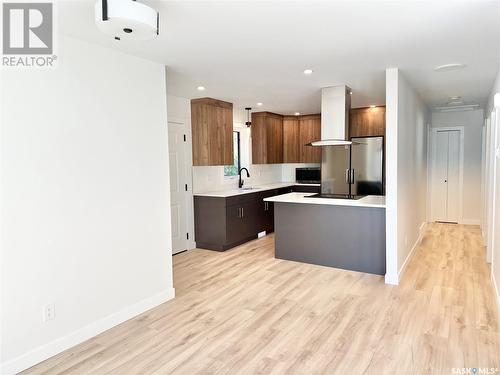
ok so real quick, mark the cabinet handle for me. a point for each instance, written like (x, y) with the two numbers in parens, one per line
(239, 212)
(242, 212)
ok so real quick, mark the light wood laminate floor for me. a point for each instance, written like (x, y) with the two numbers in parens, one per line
(244, 312)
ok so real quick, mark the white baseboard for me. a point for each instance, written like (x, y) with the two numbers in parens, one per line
(421, 232)
(46, 351)
(470, 222)
(391, 279)
(497, 291)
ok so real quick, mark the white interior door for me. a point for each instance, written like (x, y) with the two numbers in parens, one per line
(445, 188)
(453, 180)
(178, 181)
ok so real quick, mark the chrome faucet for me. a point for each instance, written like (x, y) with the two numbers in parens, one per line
(240, 181)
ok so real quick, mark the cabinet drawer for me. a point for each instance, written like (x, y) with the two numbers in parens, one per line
(241, 199)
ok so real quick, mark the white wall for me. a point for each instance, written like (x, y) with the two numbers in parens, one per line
(472, 121)
(492, 191)
(407, 118)
(85, 203)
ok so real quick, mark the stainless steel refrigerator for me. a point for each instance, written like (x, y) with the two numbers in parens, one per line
(353, 170)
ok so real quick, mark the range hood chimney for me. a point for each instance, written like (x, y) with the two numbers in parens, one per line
(335, 107)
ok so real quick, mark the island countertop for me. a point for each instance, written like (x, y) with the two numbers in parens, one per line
(254, 189)
(376, 201)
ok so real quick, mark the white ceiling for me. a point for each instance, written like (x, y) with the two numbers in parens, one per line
(255, 51)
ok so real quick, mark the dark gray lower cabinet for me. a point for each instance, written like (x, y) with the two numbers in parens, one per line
(223, 223)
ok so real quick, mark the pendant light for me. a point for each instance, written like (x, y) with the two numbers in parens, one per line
(248, 123)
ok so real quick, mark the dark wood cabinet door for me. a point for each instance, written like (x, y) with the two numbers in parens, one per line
(291, 152)
(242, 221)
(274, 139)
(251, 218)
(269, 217)
(366, 122)
(267, 138)
(309, 130)
(259, 139)
(235, 225)
(212, 131)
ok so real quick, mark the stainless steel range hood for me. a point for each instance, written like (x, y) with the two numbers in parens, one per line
(335, 107)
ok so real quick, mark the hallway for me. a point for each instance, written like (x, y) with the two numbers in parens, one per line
(244, 312)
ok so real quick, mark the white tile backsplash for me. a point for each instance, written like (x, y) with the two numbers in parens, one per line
(207, 179)
(212, 178)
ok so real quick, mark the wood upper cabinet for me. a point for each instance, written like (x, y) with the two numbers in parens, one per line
(267, 138)
(212, 131)
(367, 122)
(291, 143)
(309, 130)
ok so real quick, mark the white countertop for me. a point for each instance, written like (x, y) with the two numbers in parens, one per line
(377, 201)
(255, 189)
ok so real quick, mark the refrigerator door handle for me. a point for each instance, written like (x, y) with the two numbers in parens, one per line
(347, 176)
(352, 176)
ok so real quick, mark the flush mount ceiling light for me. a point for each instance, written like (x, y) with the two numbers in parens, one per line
(449, 67)
(259, 104)
(465, 107)
(200, 88)
(308, 72)
(127, 19)
(297, 113)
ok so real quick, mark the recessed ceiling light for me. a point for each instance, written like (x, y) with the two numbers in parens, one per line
(200, 88)
(448, 67)
(259, 104)
(373, 106)
(297, 113)
(308, 71)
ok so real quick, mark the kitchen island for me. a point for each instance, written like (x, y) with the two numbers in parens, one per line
(341, 233)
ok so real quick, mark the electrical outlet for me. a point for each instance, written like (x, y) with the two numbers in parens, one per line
(49, 312)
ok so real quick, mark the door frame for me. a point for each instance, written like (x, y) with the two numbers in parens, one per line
(186, 123)
(430, 165)
(491, 182)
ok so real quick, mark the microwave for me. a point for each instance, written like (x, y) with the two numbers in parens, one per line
(308, 175)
